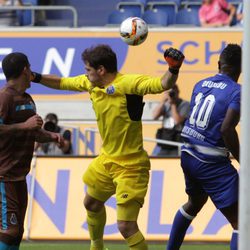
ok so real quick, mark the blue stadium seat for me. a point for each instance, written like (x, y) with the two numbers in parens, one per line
(170, 8)
(235, 1)
(192, 4)
(155, 17)
(175, 2)
(187, 17)
(134, 1)
(135, 9)
(117, 17)
(136, 6)
(26, 17)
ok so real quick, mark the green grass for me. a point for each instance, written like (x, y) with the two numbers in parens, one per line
(112, 246)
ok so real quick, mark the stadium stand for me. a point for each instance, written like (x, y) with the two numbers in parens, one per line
(175, 2)
(155, 18)
(192, 4)
(107, 12)
(187, 17)
(171, 8)
(26, 17)
(117, 16)
(86, 8)
(136, 6)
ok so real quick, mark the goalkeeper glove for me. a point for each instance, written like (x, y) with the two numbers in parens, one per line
(174, 58)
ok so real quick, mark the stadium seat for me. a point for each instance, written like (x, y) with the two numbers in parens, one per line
(134, 1)
(155, 18)
(26, 17)
(192, 4)
(188, 17)
(175, 2)
(170, 8)
(235, 1)
(135, 9)
(136, 6)
(117, 16)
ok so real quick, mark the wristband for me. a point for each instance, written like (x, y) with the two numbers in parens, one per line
(173, 71)
(37, 77)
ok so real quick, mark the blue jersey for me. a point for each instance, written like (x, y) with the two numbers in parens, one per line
(211, 98)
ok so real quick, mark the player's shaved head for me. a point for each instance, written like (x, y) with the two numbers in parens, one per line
(13, 65)
(101, 55)
(231, 55)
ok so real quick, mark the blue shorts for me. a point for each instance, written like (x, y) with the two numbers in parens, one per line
(220, 181)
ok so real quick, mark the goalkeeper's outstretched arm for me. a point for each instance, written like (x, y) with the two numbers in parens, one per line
(50, 81)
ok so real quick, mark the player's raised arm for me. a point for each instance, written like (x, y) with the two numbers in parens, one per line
(174, 58)
(51, 81)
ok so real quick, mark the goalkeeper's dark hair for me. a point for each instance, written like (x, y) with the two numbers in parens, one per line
(101, 55)
(13, 65)
(231, 56)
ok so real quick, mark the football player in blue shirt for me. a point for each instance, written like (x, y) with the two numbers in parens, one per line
(209, 136)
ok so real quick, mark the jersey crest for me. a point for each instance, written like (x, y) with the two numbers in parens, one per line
(110, 90)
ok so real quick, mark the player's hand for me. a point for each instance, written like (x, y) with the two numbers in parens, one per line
(174, 58)
(33, 123)
(58, 139)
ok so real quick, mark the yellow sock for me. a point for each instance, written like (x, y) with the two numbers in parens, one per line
(96, 245)
(137, 242)
(96, 223)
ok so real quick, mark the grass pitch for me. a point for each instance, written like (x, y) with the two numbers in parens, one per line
(113, 246)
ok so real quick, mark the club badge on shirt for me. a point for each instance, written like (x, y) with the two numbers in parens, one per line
(110, 90)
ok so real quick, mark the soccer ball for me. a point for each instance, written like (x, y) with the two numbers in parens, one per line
(133, 31)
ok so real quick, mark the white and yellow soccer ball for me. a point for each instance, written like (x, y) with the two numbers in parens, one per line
(133, 31)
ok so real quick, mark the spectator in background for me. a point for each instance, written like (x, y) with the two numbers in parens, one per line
(8, 17)
(174, 111)
(216, 13)
(51, 148)
(40, 16)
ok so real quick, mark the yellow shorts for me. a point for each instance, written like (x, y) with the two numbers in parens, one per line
(105, 177)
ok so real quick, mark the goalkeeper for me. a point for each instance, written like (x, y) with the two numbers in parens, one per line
(122, 168)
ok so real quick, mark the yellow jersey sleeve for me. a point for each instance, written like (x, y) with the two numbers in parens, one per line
(77, 83)
(139, 84)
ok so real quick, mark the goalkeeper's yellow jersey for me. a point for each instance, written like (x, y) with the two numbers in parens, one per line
(118, 108)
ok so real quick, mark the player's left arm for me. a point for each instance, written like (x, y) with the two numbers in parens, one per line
(174, 58)
(229, 133)
(43, 136)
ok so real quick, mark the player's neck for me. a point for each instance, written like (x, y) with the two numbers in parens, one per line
(234, 76)
(109, 78)
(18, 86)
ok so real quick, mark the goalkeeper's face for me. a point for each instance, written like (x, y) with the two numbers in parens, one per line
(94, 75)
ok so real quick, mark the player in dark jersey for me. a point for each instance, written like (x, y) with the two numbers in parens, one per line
(209, 134)
(20, 127)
